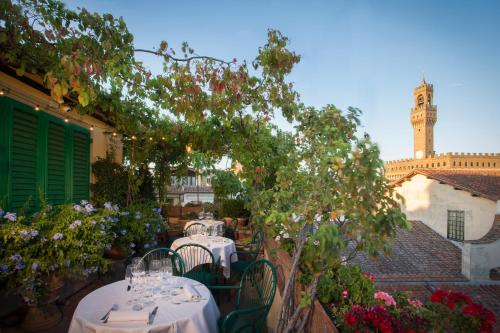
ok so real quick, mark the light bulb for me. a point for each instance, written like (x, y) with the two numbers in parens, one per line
(150, 138)
(114, 133)
(2, 92)
(91, 127)
(133, 137)
(66, 119)
(37, 107)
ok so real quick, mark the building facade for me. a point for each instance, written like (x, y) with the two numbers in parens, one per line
(423, 118)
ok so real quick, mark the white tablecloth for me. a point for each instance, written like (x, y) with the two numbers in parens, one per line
(219, 246)
(191, 317)
(206, 223)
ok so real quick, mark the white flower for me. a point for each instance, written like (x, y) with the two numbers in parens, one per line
(78, 208)
(84, 202)
(89, 208)
(286, 235)
(316, 242)
(343, 260)
(108, 205)
(277, 238)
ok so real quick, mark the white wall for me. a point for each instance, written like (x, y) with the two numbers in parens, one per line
(428, 201)
(479, 259)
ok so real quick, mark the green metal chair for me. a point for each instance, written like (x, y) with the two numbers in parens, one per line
(230, 231)
(246, 257)
(199, 263)
(255, 296)
(194, 229)
(165, 253)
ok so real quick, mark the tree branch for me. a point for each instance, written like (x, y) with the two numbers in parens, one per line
(183, 59)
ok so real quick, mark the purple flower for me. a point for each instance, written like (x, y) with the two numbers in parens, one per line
(68, 263)
(115, 219)
(25, 233)
(10, 216)
(147, 225)
(108, 247)
(157, 210)
(137, 215)
(89, 208)
(158, 230)
(34, 266)
(146, 246)
(124, 213)
(116, 208)
(57, 236)
(20, 265)
(83, 202)
(4, 268)
(75, 224)
(132, 245)
(78, 208)
(34, 233)
(124, 232)
(16, 257)
(108, 205)
(155, 243)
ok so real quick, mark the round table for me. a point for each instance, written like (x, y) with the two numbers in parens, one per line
(206, 223)
(219, 246)
(198, 316)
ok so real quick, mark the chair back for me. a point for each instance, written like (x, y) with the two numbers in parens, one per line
(199, 263)
(194, 229)
(255, 297)
(165, 253)
(256, 243)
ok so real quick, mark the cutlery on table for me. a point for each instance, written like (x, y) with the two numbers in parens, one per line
(152, 316)
(113, 307)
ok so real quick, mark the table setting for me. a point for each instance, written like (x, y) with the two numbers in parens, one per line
(147, 301)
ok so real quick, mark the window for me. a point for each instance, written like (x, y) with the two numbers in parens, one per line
(44, 156)
(456, 225)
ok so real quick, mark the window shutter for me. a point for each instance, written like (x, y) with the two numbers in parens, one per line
(81, 177)
(24, 160)
(56, 193)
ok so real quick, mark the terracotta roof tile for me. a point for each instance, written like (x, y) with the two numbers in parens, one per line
(481, 183)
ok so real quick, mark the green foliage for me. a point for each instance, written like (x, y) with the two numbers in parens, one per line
(233, 208)
(110, 181)
(226, 184)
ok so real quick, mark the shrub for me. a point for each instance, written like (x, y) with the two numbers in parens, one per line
(234, 208)
(110, 182)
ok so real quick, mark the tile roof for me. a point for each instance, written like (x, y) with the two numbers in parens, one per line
(418, 254)
(485, 184)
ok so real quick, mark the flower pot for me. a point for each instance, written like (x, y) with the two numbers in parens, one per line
(115, 252)
(41, 318)
(55, 285)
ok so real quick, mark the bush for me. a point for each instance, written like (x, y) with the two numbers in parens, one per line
(111, 182)
(234, 208)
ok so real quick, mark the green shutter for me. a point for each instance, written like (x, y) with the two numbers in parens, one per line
(56, 192)
(24, 160)
(81, 166)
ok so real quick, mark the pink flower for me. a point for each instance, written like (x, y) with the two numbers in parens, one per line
(415, 302)
(345, 293)
(388, 300)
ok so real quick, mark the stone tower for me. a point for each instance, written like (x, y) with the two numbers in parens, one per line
(423, 118)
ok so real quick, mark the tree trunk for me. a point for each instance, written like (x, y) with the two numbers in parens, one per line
(289, 290)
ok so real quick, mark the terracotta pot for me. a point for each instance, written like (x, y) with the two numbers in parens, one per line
(41, 318)
(55, 285)
(115, 252)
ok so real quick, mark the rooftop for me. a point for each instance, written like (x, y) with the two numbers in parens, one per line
(485, 184)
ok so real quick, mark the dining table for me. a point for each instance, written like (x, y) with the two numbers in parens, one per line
(221, 247)
(173, 314)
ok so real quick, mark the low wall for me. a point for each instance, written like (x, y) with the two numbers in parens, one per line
(319, 321)
(479, 259)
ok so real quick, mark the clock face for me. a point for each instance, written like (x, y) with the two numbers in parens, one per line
(419, 154)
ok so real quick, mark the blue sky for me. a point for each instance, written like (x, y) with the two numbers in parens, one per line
(367, 54)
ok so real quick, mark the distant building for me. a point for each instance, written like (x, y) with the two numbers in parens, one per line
(462, 206)
(423, 118)
(194, 187)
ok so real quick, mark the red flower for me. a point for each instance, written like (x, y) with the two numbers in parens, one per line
(472, 309)
(350, 319)
(345, 293)
(438, 296)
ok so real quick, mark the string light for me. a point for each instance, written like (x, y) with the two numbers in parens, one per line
(37, 107)
(150, 138)
(189, 148)
(133, 137)
(114, 133)
(66, 119)
(163, 138)
(2, 92)
(91, 127)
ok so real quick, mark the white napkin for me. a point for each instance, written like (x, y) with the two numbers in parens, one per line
(190, 292)
(125, 316)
